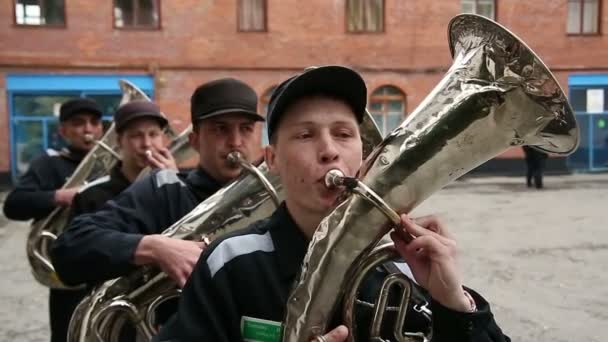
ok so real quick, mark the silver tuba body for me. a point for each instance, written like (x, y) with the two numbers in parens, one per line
(97, 163)
(497, 94)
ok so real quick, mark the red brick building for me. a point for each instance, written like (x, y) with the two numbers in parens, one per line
(55, 49)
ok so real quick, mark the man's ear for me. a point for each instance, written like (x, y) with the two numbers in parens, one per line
(270, 158)
(62, 130)
(193, 138)
(119, 140)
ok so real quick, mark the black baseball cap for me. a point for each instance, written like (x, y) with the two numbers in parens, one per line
(71, 108)
(136, 110)
(224, 96)
(333, 80)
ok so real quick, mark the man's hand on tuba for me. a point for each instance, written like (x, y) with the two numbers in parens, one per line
(338, 334)
(64, 197)
(433, 258)
(175, 257)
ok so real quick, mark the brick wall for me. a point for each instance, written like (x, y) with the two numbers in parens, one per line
(4, 129)
(199, 41)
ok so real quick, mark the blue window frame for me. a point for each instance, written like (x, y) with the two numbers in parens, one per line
(34, 99)
(588, 95)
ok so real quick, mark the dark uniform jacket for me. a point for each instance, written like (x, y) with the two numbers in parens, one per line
(90, 198)
(96, 193)
(33, 197)
(100, 246)
(250, 273)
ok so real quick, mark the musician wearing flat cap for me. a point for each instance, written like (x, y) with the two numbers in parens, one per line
(139, 132)
(139, 129)
(240, 286)
(126, 232)
(38, 191)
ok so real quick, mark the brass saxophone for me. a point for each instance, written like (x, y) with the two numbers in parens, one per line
(497, 94)
(97, 163)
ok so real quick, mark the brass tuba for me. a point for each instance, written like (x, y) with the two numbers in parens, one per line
(97, 163)
(497, 94)
(133, 299)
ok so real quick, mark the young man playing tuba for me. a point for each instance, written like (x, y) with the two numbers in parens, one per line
(248, 275)
(139, 127)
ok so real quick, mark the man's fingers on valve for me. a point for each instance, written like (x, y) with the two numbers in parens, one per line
(165, 156)
(417, 230)
(430, 246)
(339, 334)
(432, 222)
(157, 162)
(159, 155)
(181, 282)
(165, 153)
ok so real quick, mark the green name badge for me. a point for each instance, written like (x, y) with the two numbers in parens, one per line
(260, 330)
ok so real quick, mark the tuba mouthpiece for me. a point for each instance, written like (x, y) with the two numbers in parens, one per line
(334, 178)
(235, 158)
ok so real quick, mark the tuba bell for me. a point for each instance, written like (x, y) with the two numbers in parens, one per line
(133, 299)
(497, 94)
(97, 163)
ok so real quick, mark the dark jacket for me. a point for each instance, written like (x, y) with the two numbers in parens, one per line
(532, 154)
(94, 195)
(100, 246)
(33, 197)
(250, 274)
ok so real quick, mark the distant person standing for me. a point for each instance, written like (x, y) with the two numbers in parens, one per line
(535, 161)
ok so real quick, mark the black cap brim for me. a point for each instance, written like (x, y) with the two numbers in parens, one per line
(338, 81)
(253, 115)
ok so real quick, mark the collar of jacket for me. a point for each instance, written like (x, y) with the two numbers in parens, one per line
(118, 179)
(73, 153)
(289, 242)
(202, 183)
